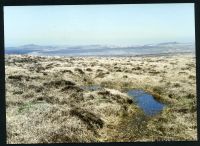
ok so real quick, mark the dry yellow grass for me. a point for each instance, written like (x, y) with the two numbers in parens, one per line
(46, 104)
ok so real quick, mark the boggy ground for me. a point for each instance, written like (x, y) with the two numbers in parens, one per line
(46, 104)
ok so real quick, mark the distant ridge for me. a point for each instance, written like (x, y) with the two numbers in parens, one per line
(168, 43)
(99, 50)
(30, 45)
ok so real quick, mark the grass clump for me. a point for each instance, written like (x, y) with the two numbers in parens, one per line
(88, 117)
(79, 70)
(58, 83)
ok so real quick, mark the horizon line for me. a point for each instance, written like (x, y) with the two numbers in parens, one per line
(98, 44)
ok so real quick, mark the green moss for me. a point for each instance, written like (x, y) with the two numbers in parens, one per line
(25, 107)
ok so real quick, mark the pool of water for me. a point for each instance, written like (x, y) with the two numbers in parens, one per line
(146, 102)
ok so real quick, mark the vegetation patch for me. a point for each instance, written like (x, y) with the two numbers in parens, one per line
(88, 117)
(46, 104)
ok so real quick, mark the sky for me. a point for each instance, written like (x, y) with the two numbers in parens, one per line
(119, 24)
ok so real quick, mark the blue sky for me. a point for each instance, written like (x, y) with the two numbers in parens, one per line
(98, 24)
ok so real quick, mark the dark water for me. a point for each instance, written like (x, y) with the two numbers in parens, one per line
(146, 101)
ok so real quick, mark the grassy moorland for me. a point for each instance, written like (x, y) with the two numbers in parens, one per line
(45, 101)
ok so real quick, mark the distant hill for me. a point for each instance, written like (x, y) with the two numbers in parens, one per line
(168, 43)
(90, 50)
